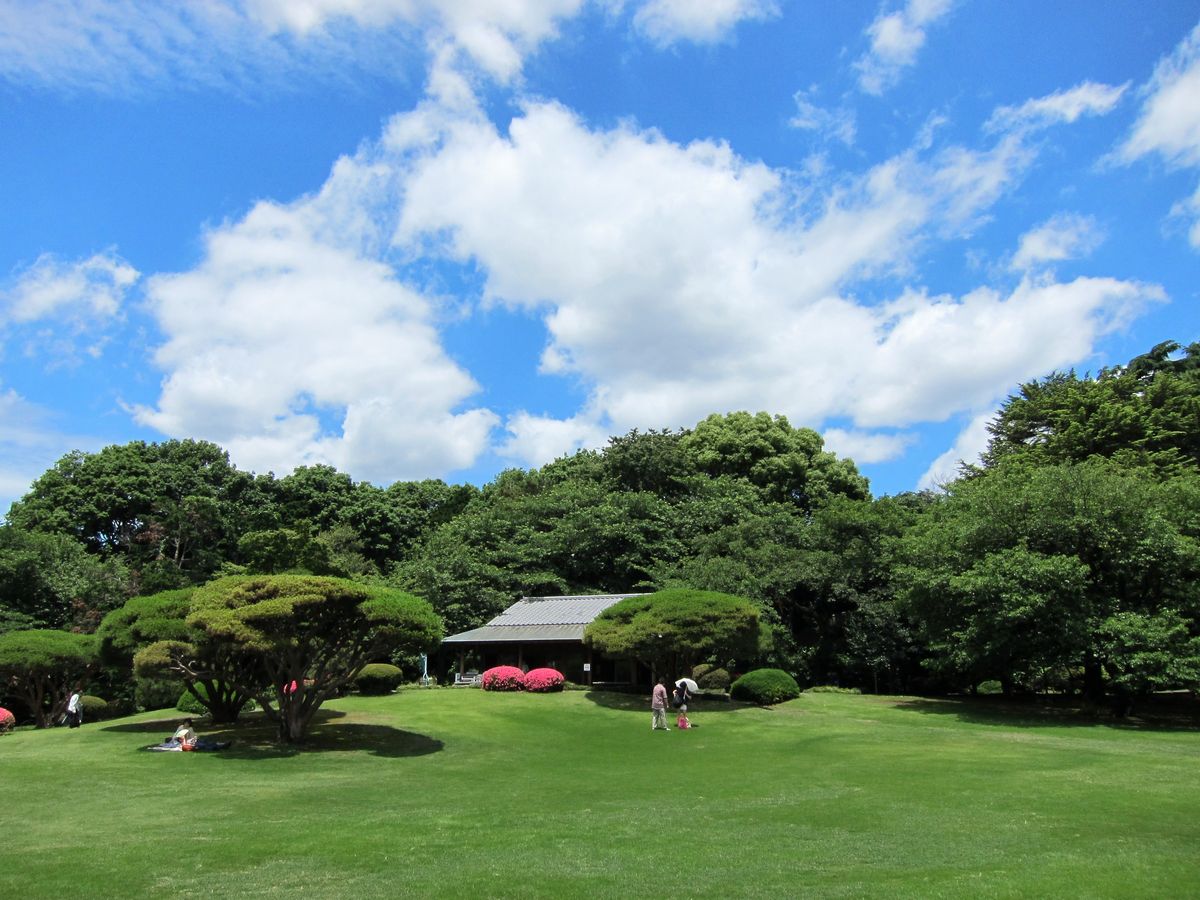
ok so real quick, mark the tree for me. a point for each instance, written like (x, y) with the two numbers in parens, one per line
(50, 581)
(173, 510)
(151, 634)
(305, 638)
(674, 629)
(1023, 570)
(1146, 414)
(783, 462)
(41, 666)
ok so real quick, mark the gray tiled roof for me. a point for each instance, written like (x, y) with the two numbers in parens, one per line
(541, 619)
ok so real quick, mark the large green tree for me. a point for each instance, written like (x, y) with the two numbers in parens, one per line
(41, 666)
(151, 634)
(1145, 413)
(51, 581)
(303, 639)
(1024, 571)
(783, 462)
(172, 509)
(674, 629)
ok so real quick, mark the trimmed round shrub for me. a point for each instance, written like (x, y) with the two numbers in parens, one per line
(543, 681)
(712, 679)
(378, 678)
(7, 721)
(990, 687)
(503, 678)
(765, 687)
(94, 708)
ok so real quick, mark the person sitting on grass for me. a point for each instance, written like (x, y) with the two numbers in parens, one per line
(185, 735)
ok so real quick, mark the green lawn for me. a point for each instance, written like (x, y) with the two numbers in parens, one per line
(460, 793)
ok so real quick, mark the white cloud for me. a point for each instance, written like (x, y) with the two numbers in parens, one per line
(677, 280)
(1169, 122)
(537, 440)
(130, 46)
(668, 22)
(288, 347)
(1086, 99)
(864, 446)
(837, 124)
(896, 38)
(52, 288)
(60, 309)
(1065, 236)
(968, 448)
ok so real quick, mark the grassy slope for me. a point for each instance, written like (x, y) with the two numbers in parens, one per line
(461, 793)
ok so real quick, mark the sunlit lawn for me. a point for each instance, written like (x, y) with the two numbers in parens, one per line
(460, 793)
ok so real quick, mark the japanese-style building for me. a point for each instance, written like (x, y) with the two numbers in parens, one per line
(543, 631)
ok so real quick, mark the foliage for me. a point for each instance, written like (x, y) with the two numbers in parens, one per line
(783, 462)
(503, 678)
(1025, 570)
(7, 721)
(1144, 414)
(544, 681)
(311, 631)
(51, 581)
(378, 678)
(713, 679)
(765, 687)
(41, 667)
(831, 689)
(95, 708)
(157, 693)
(670, 629)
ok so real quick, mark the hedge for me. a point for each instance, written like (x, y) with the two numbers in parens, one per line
(378, 678)
(765, 687)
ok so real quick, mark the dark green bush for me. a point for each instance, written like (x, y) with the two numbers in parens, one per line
(156, 693)
(831, 689)
(765, 687)
(378, 678)
(712, 679)
(94, 708)
(989, 687)
(699, 671)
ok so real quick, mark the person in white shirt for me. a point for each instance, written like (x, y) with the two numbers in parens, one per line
(75, 708)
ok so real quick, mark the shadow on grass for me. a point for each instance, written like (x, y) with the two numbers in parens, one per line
(641, 702)
(1039, 713)
(254, 736)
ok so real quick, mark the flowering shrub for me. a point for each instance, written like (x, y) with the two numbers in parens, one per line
(503, 678)
(544, 680)
(7, 720)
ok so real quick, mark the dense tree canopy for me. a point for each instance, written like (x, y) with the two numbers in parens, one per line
(1065, 560)
(302, 639)
(40, 667)
(672, 630)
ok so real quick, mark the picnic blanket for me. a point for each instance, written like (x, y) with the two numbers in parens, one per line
(203, 745)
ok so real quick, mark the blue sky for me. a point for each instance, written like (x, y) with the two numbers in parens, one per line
(437, 238)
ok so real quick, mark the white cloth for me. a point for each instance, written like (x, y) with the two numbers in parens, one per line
(75, 704)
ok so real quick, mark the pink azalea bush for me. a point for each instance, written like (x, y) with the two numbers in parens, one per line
(544, 680)
(7, 720)
(503, 678)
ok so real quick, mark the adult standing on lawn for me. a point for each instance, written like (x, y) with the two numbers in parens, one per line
(658, 706)
(75, 708)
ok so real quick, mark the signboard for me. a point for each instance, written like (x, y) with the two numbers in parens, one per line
(587, 667)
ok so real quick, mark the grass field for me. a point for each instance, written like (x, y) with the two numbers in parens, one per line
(460, 793)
